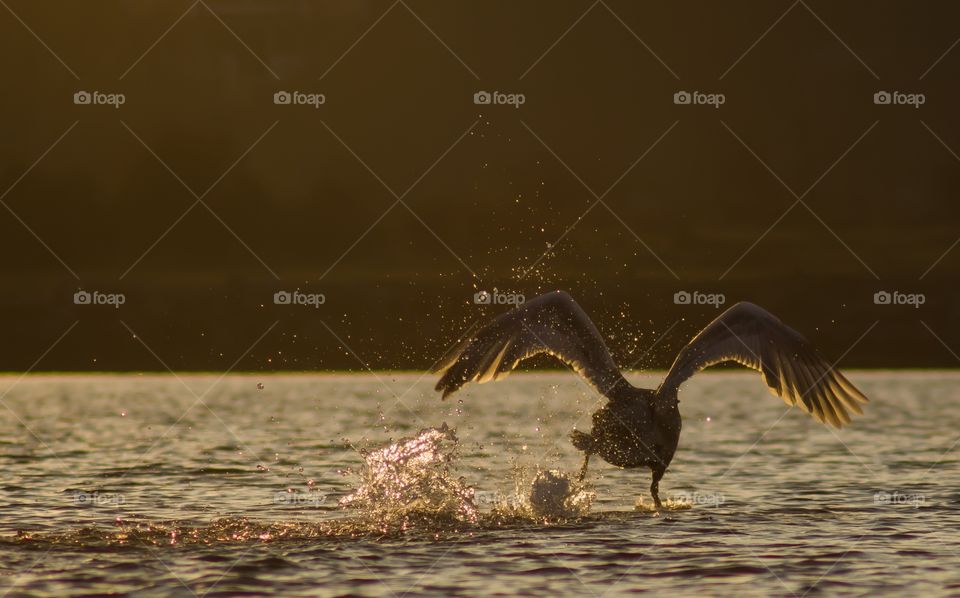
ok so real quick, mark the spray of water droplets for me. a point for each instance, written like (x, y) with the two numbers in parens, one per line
(407, 486)
(412, 480)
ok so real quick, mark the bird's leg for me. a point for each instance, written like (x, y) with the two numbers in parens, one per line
(583, 470)
(655, 488)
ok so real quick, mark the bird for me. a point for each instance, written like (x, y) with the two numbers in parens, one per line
(640, 427)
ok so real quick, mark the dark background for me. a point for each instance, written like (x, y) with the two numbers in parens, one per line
(320, 202)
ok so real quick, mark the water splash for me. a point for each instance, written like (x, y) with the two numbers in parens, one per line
(669, 504)
(554, 495)
(412, 481)
(547, 495)
(406, 488)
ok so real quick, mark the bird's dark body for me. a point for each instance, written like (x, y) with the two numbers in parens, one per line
(638, 430)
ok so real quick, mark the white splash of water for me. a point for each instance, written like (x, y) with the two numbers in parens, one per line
(554, 495)
(548, 495)
(412, 480)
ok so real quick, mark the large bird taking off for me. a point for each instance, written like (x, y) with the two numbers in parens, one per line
(640, 427)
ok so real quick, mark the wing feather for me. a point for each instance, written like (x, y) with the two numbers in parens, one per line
(791, 368)
(552, 323)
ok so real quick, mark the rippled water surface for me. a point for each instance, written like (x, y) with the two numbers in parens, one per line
(200, 485)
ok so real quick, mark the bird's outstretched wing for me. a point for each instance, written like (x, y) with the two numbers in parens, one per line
(552, 323)
(791, 367)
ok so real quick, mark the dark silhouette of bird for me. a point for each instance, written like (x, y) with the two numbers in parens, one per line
(640, 427)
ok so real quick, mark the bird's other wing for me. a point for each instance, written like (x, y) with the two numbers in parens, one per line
(791, 367)
(552, 323)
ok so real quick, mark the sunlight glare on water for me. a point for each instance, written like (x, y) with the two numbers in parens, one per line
(327, 484)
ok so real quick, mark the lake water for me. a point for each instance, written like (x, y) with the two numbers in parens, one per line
(197, 485)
